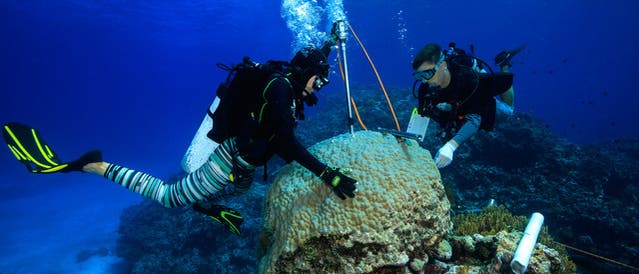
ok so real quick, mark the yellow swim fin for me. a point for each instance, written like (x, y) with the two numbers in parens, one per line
(28, 146)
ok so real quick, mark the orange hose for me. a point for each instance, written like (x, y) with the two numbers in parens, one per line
(359, 119)
(339, 65)
(379, 79)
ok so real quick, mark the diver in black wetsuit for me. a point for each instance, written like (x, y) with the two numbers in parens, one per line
(455, 94)
(236, 158)
(266, 131)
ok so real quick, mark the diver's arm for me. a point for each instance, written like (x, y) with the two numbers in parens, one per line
(296, 151)
(280, 96)
(445, 154)
(289, 148)
(470, 127)
(98, 168)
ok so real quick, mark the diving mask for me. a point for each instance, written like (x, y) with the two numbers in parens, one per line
(427, 74)
(320, 82)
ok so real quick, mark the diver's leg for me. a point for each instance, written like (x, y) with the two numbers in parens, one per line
(243, 175)
(98, 168)
(206, 183)
(503, 60)
(508, 97)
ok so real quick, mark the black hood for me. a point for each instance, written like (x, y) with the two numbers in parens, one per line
(308, 62)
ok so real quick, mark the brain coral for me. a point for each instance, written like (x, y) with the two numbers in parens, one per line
(398, 216)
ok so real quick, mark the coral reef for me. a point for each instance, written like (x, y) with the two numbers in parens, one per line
(154, 239)
(489, 221)
(495, 220)
(397, 223)
(400, 212)
(588, 194)
(493, 254)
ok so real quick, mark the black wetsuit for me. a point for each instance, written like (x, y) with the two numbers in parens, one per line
(469, 93)
(272, 130)
(269, 130)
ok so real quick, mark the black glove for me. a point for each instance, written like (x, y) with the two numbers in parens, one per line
(340, 183)
(310, 100)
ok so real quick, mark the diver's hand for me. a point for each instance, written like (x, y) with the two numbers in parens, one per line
(341, 184)
(445, 154)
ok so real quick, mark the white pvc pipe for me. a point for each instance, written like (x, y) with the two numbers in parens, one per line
(201, 146)
(527, 244)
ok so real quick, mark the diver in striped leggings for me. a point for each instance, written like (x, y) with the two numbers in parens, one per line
(225, 173)
(259, 137)
(209, 182)
(267, 131)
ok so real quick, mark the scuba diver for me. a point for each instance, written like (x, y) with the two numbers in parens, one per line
(266, 129)
(458, 93)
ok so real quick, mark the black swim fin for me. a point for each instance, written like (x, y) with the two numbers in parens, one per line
(28, 146)
(231, 219)
(503, 58)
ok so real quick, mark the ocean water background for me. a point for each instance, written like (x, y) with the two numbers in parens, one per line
(133, 78)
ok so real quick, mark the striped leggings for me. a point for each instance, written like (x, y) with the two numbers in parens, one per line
(212, 181)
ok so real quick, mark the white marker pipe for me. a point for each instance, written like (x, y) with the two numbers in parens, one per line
(527, 244)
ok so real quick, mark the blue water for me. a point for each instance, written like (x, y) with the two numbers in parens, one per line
(133, 78)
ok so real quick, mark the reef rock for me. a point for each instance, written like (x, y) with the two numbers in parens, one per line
(493, 254)
(398, 217)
